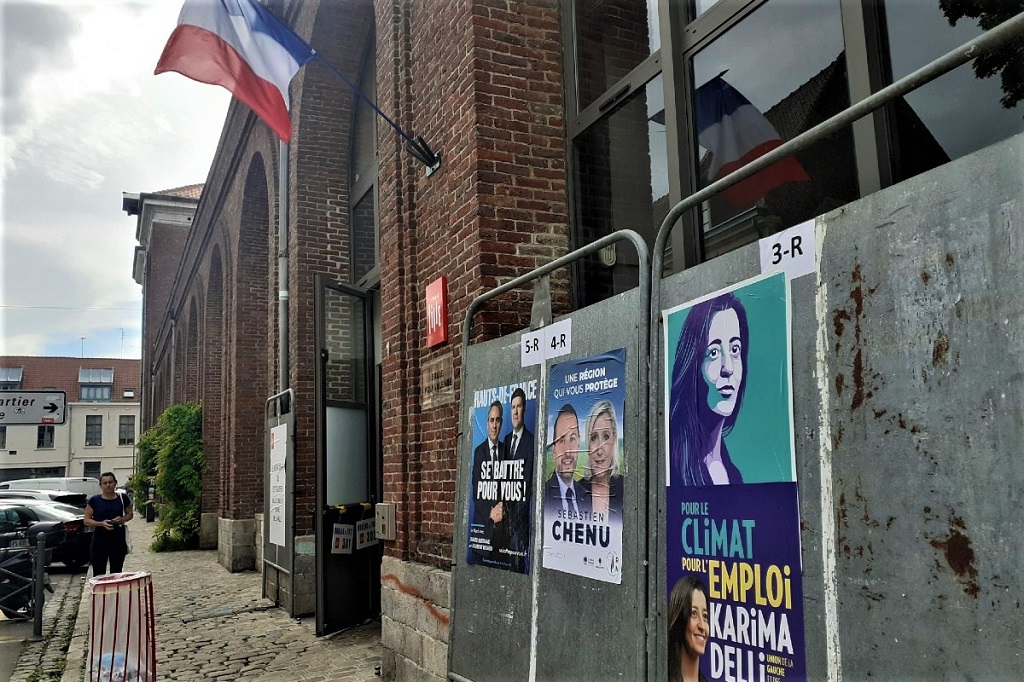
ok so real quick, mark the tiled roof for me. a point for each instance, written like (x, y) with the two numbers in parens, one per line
(188, 191)
(61, 374)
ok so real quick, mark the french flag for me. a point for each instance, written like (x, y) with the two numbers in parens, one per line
(736, 133)
(242, 47)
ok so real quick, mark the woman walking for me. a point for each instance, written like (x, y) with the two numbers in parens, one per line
(107, 513)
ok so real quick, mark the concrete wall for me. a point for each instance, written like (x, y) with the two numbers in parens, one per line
(922, 360)
(415, 616)
(908, 359)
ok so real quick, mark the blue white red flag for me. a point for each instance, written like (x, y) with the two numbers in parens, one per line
(242, 47)
(736, 133)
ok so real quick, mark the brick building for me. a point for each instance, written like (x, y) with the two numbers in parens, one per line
(558, 122)
(101, 418)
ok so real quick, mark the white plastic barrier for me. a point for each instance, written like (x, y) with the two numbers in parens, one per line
(122, 645)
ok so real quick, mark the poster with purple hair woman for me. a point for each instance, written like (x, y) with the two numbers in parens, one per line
(733, 523)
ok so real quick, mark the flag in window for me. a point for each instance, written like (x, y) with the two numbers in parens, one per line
(241, 46)
(736, 133)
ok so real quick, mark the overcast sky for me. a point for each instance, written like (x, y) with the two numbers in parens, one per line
(85, 119)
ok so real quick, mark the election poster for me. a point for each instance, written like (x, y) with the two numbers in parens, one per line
(733, 521)
(585, 467)
(728, 388)
(504, 421)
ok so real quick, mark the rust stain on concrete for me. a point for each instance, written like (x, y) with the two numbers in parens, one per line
(940, 350)
(957, 550)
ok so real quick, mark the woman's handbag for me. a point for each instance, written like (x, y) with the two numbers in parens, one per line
(127, 535)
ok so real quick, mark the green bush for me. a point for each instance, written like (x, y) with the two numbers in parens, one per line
(171, 452)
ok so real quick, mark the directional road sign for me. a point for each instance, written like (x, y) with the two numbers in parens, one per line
(32, 407)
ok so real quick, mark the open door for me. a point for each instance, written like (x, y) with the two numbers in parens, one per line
(348, 555)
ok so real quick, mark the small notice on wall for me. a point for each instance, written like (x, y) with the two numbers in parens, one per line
(438, 382)
(366, 533)
(278, 482)
(341, 543)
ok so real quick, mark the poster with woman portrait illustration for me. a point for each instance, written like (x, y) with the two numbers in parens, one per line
(735, 591)
(585, 466)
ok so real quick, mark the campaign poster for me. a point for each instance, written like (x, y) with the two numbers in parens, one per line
(504, 421)
(585, 467)
(733, 521)
(728, 386)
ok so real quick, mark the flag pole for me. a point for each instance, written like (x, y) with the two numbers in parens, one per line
(418, 147)
(282, 267)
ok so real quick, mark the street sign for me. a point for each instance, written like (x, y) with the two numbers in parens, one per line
(32, 407)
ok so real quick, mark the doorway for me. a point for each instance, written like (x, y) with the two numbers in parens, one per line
(348, 474)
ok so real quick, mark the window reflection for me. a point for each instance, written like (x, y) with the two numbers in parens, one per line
(778, 72)
(612, 37)
(622, 183)
(929, 127)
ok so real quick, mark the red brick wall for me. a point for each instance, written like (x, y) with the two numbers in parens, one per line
(481, 82)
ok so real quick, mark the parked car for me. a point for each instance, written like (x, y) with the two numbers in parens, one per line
(20, 527)
(74, 551)
(65, 496)
(80, 484)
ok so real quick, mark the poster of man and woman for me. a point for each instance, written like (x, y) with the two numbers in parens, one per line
(735, 597)
(585, 467)
(582, 480)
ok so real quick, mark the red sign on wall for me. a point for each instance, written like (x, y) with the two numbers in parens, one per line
(437, 312)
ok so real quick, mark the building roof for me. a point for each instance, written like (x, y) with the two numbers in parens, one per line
(188, 191)
(62, 374)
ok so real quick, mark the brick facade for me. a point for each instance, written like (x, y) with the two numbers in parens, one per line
(480, 80)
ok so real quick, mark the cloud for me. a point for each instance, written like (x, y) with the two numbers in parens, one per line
(91, 125)
(34, 35)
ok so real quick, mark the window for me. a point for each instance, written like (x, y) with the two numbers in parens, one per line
(126, 429)
(647, 84)
(95, 393)
(929, 127)
(743, 110)
(621, 179)
(613, 38)
(92, 469)
(95, 384)
(94, 429)
(10, 378)
(365, 235)
(3, 436)
(44, 437)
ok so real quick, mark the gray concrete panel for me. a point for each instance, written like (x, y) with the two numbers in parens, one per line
(720, 273)
(924, 359)
(908, 380)
(491, 619)
(551, 625)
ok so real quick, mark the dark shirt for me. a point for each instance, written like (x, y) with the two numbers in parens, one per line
(104, 510)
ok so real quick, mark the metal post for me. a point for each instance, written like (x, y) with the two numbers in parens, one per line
(37, 606)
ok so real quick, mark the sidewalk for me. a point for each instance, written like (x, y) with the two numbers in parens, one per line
(212, 624)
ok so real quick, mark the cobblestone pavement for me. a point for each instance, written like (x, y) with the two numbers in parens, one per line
(212, 624)
(44, 659)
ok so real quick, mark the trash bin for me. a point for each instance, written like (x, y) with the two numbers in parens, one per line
(122, 645)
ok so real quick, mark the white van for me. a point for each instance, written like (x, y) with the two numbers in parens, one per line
(81, 484)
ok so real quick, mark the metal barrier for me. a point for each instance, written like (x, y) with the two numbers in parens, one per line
(509, 606)
(23, 589)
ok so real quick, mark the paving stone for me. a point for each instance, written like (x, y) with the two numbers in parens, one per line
(226, 630)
